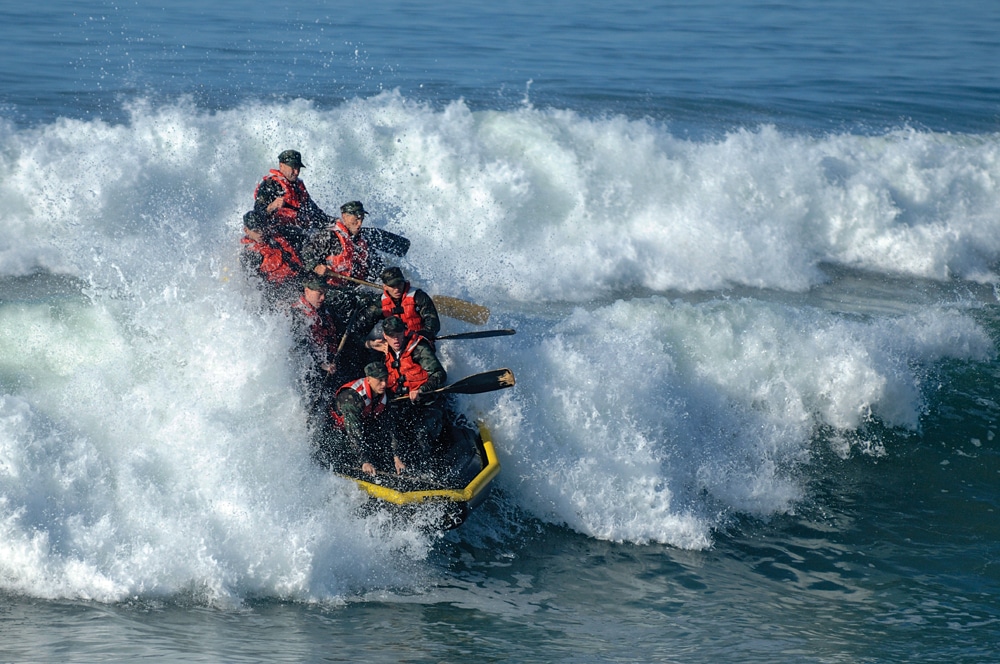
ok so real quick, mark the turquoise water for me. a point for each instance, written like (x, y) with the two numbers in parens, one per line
(751, 253)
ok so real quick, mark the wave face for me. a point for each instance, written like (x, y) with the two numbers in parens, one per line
(698, 322)
(609, 204)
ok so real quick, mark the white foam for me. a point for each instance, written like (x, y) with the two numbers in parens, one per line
(651, 420)
(523, 204)
(157, 448)
(151, 441)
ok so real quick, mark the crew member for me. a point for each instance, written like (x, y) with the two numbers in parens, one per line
(399, 298)
(315, 326)
(317, 339)
(282, 218)
(362, 434)
(341, 249)
(414, 372)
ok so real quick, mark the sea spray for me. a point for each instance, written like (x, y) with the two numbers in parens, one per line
(511, 206)
(153, 443)
(653, 420)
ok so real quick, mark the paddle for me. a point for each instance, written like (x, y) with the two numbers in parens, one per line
(347, 330)
(481, 334)
(487, 381)
(451, 307)
(383, 240)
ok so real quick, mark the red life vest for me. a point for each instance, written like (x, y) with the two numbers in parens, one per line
(294, 196)
(405, 374)
(406, 309)
(279, 261)
(372, 407)
(353, 257)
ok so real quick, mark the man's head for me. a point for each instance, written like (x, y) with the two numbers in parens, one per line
(314, 291)
(394, 331)
(394, 282)
(289, 163)
(354, 207)
(353, 214)
(377, 374)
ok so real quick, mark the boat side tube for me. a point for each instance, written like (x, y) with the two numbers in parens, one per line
(471, 490)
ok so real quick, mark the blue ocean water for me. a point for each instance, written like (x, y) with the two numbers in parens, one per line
(751, 251)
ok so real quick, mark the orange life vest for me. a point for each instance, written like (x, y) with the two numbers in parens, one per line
(353, 257)
(279, 261)
(372, 407)
(294, 196)
(406, 309)
(405, 374)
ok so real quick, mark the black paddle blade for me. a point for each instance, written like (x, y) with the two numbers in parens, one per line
(383, 240)
(488, 381)
(478, 334)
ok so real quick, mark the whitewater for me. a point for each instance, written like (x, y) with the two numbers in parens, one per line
(697, 330)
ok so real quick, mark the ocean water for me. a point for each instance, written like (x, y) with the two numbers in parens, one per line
(751, 251)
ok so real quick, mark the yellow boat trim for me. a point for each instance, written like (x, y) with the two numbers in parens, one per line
(471, 490)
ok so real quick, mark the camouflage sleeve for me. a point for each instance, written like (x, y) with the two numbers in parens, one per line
(424, 355)
(316, 217)
(368, 318)
(428, 312)
(266, 193)
(349, 406)
(258, 218)
(324, 243)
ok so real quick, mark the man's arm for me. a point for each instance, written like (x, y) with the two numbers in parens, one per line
(424, 355)
(259, 219)
(322, 244)
(349, 405)
(367, 319)
(315, 216)
(428, 312)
